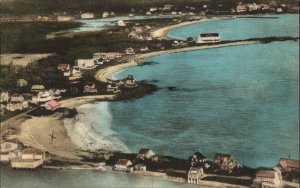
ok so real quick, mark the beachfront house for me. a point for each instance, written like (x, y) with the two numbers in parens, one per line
(8, 151)
(22, 83)
(121, 23)
(197, 158)
(225, 161)
(140, 167)
(17, 102)
(52, 105)
(37, 88)
(112, 88)
(90, 88)
(267, 179)
(4, 97)
(208, 38)
(105, 14)
(64, 67)
(145, 154)
(86, 63)
(288, 165)
(107, 55)
(129, 82)
(129, 51)
(144, 49)
(30, 158)
(148, 13)
(87, 15)
(195, 174)
(124, 165)
(241, 8)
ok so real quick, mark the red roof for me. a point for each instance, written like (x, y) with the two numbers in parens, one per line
(289, 163)
(122, 162)
(265, 174)
(63, 66)
(53, 104)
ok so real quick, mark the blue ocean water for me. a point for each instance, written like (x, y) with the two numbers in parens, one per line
(242, 28)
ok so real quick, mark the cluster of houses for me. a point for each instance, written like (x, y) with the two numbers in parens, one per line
(26, 158)
(252, 7)
(115, 86)
(140, 32)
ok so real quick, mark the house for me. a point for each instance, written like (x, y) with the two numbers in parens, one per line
(86, 63)
(112, 14)
(148, 13)
(145, 153)
(17, 102)
(90, 88)
(105, 14)
(264, 6)
(37, 88)
(138, 29)
(33, 154)
(167, 7)
(67, 73)
(289, 164)
(279, 10)
(195, 174)
(208, 38)
(124, 165)
(64, 67)
(64, 18)
(197, 158)
(225, 161)
(113, 88)
(87, 16)
(153, 9)
(140, 167)
(22, 83)
(267, 179)
(130, 82)
(173, 12)
(4, 96)
(121, 23)
(252, 7)
(129, 51)
(144, 49)
(8, 151)
(42, 97)
(241, 8)
(56, 93)
(52, 105)
(175, 43)
(107, 55)
(130, 15)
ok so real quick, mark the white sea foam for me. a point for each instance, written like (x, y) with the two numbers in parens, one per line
(91, 128)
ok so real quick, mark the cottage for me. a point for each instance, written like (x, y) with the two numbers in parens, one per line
(8, 151)
(22, 83)
(33, 154)
(153, 9)
(264, 7)
(42, 97)
(86, 63)
(267, 179)
(4, 96)
(145, 154)
(129, 51)
(87, 16)
(148, 13)
(67, 73)
(52, 105)
(105, 14)
(112, 88)
(225, 161)
(241, 8)
(64, 67)
(37, 88)
(144, 49)
(90, 88)
(208, 38)
(175, 43)
(252, 7)
(197, 159)
(124, 165)
(279, 10)
(130, 15)
(107, 55)
(195, 175)
(64, 18)
(121, 23)
(289, 164)
(130, 82)
(167, 7)
(140, 167)
(17, 102)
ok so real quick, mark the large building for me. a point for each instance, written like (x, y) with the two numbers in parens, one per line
(267, 179)
(289, 164)
(208, 38)
(30, 158)
(124, 165)
(195, 175)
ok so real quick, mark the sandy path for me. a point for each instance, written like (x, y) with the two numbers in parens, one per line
(105, 74)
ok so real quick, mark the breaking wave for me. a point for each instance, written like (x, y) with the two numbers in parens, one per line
(91, 129)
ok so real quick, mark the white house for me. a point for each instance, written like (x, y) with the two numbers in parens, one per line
(148, 13)
(37, 88)
(140, 167)
(145, 153)
(129, 51)
(86, 63)
(42, 97)
(144, 49)
(105, 14)
(32, 153)
(123, 165)
(107, 55)
(87, 15)
(17, 102)
(121, 23)
(8, 151)
(241, 8)
(195, 175)
(267, 179)
(112, 88)
(208, 38)
(90, 88)
(4, 96)
(64, 18)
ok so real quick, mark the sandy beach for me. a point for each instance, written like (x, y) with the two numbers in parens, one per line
(105, 74)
